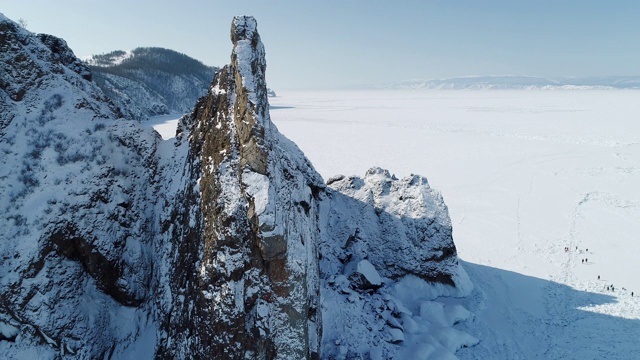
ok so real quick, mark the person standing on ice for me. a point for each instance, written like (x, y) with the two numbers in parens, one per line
(598, 277)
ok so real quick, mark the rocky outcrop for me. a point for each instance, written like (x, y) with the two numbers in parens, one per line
(381, 236)
(21, 72)
(255, 287)
(75, 232)
(222, 243)
(401, 226)
(28, 61)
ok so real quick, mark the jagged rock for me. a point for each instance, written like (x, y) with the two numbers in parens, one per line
(114, 244)
(397, 336)
(258, 221)
(363, 275)
(400, 226)
(21, 71)
(397, 227)
(8, 329)
(394, 323)
(76, 232)
(60, 53)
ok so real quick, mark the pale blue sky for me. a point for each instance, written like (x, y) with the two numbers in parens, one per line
(335, 44)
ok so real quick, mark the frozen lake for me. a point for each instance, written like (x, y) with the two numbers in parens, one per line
(165, 125)
(524, 174)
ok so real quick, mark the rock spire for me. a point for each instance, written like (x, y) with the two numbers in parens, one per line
(257, 280)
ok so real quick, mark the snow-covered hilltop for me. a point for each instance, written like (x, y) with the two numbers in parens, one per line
(151, 81)
(511, 82)
(223, 242)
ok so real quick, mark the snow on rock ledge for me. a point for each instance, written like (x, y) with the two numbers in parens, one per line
(363, 275)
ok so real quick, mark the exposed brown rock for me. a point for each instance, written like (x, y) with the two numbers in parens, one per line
(251, 288)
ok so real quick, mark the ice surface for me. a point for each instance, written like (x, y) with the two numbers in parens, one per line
(165, 125)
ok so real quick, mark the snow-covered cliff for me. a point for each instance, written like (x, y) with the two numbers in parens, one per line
(253, 281)
(223, 242)
(76, 230)
(387, 255)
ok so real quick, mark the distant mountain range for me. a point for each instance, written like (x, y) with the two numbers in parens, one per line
(519, 82)
(150, 81)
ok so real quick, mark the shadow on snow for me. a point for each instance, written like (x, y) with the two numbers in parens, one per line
(519, 316)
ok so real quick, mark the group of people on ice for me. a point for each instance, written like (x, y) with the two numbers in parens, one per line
(612, 288)
(585, 261)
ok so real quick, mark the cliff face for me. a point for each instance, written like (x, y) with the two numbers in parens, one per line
(254, 282)
(408, 216)
(76, 230)
(222, 243)
(387, 254)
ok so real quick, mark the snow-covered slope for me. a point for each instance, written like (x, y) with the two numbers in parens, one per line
(113, 58)
(76, 230)
(151, 81)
